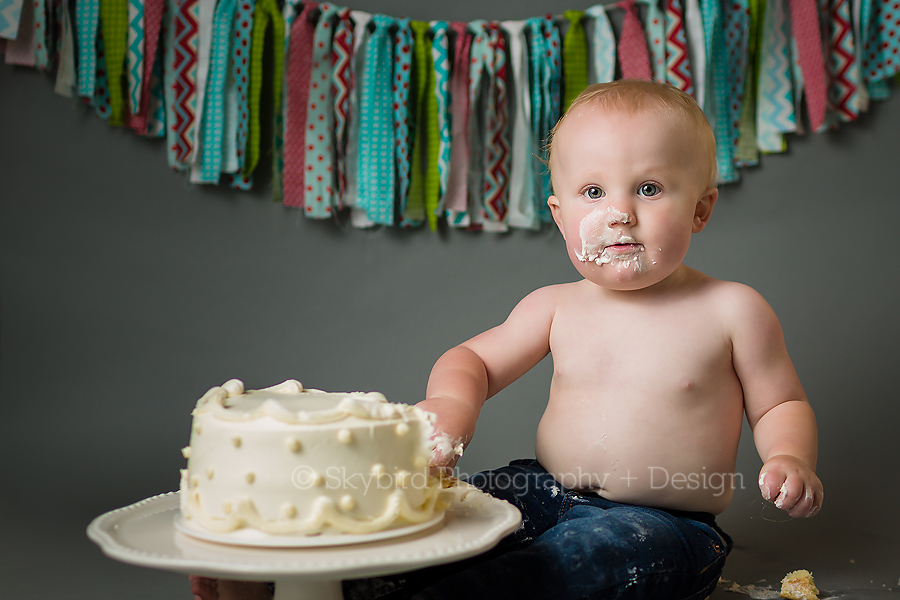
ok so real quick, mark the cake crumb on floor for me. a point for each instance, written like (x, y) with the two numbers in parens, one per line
(799, 585)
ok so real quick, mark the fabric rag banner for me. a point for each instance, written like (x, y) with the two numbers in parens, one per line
(384, 120)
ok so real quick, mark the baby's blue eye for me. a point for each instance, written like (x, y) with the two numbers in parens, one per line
(593, 192)
(649, 189)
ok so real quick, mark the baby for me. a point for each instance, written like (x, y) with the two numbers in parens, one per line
(654, 366)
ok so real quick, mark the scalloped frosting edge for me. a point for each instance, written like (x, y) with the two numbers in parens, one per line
(325, 514)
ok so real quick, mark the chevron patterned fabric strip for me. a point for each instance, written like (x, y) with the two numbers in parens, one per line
(440, 56)
(114, 21)
(481, 86)
(775, 95)
(497, 143)
(678, 62)
(134, 58)
(603, 45)
(341, 87)
(182, 107)
(152, 22)
(843, 68)
(575, 56)
(10, 16)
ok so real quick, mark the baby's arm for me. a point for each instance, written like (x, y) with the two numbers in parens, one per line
(467, 375)
(783, 423)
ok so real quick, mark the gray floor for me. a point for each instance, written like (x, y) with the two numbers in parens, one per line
(54, 560)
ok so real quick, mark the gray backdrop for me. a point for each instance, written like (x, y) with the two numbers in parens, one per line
(127, 292)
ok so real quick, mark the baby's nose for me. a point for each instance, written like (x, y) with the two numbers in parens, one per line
(617, 217)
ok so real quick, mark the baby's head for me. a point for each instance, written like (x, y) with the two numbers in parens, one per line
(636, 96)
(633, 165)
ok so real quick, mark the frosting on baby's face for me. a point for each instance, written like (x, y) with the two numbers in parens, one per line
(628, 195)
(603, 244)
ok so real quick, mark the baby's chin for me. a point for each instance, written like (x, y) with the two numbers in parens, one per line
(620, 275)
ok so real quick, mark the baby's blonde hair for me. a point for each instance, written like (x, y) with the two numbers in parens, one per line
(638, 95)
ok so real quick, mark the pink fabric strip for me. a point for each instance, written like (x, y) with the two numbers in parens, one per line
(805, 25)
(634, 58)
(299, 57)
(455, 197)
(153, 10)
(20, 51)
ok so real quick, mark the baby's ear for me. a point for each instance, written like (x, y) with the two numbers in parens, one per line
(704, 208)
(553, 203)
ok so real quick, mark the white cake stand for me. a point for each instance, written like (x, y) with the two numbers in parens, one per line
(144, 534)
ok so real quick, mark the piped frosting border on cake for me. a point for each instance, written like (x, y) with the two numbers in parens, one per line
(363, 405)
(325, 514)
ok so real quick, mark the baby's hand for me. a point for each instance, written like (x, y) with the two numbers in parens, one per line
(452, 431)
(791, 485)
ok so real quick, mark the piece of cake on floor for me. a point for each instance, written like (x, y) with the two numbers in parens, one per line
(290, 461)
(799, 585)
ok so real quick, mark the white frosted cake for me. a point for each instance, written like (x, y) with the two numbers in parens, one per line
(285, 460)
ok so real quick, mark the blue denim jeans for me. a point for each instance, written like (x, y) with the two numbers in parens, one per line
(573, 545)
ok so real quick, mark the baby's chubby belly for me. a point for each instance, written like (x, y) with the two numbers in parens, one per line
(644, 451)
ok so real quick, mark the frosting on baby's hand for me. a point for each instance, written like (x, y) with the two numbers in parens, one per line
(791, 486)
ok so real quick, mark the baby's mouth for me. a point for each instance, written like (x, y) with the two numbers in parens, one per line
(624, 248)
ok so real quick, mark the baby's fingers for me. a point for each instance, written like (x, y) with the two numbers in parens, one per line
(797, 499)
(808, 505)
(771, 484)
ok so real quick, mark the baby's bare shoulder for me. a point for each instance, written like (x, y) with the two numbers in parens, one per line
(737, 304)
